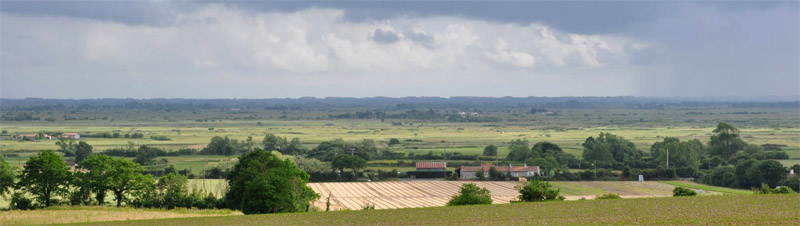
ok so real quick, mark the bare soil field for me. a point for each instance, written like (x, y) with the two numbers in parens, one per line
(413, 194)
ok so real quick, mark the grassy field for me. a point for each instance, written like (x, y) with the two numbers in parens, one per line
(707, 188)
(61, 215)
(720, 210)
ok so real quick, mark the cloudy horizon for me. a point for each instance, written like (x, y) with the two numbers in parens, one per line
(157, 49)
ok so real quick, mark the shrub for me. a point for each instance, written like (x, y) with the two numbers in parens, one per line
(783, 190)
(681, 191)
(536, 191)
(20, 202)
(609, 196)
(471, 194)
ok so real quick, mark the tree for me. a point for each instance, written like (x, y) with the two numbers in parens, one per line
(545, 149)
(394, 141)
(274, 143)
(124, 177)
(681, 153)
(82, 150)
(94, 174)
(45, 175)
(67, 146)
(518, 150)
(536, 191)
(480, 175)
(725, 141)
(494, 174)
(490, 150)
(594, 150)
(262, 183)
(7, 174)
(608, 147)
(772, 172)
(471, 194)
(146, 155)
(349, 161)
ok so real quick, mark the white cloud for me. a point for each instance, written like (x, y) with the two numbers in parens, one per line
(284, 51)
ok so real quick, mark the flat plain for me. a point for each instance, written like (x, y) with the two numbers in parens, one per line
(702, 210)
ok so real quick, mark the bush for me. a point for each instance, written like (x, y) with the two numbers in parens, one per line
(471, 194)
(20, 202)
(609, 196)
(537, 191)
(783, 190)
(681, 191)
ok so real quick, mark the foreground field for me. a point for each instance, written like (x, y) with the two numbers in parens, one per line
(720, 209)
(412, 194)
(60, 215)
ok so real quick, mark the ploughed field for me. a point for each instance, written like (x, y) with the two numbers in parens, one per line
(701, 210)
(413, 194)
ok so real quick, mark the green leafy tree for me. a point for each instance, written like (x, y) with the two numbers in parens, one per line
(480, 175)
(537, 191)
(394, 141)
(350, 162)
(494, 174)
(44, 176)
(275, 143)
(518, 150)
(725, 141)
(471, 194)
(262, 183)
(94, 175)
(490, 150)
(66, 146)
(174, 188)
(125, 177)
(681, 153)
(772, 172)
(544, 149)
(7, 174)
(82, 150)
(146, 155)
(609, 147)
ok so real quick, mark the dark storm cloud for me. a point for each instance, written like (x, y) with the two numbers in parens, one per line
(676, 48)
(573, 16)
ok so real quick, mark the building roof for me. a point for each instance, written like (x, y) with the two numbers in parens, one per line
(499, 168)
(431, 165)
(69, 134)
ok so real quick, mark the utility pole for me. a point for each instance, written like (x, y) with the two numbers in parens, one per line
(667, 158)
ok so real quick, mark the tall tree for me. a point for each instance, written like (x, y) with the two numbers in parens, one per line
(594, 150)
(45, 174)
(125, 176)
(681, 153)
(490, 150)
(518, 150)
(355, 163)
(67, 146)
(7, 174)
(262, 183)
(94, 175)
(82, 150)
(620, 149)
(146, 155)
(725, 141)
(274, 143)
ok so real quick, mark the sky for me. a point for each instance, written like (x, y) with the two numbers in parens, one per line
(275, 49)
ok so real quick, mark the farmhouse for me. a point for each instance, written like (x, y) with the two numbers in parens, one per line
(470, 172)
(75, 136)
(431, 166)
